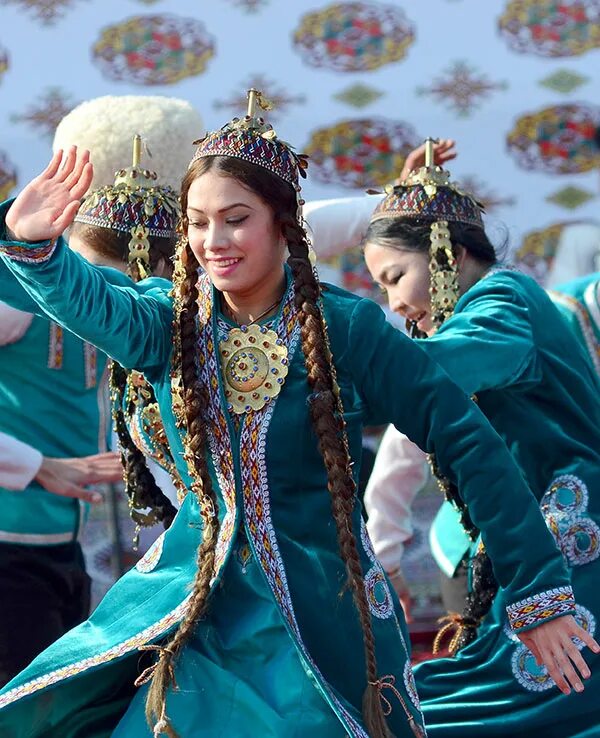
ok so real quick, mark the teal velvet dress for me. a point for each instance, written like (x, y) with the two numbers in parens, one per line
(280, 652)
(534, 380)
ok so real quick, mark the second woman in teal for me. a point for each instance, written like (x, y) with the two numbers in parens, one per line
(264, 602)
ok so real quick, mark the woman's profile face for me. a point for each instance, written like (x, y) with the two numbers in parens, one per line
(404, 276)
(233, 234)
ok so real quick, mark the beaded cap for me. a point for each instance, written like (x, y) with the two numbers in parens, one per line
(428, 194)
(255, 141)
(133, 202)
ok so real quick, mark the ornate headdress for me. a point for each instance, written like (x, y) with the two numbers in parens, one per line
(428, 195)
(134, 204)
(252, 139)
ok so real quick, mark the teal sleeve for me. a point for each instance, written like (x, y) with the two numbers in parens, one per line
(129, 322)
(399, 383)
(488, 342)
(13, 293)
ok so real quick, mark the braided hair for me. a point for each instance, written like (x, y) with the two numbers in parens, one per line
(326, 416)
(414, 235)
(140, 486)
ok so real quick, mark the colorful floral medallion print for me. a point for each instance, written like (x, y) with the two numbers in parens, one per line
(154, 49)
(551, 28)
(278, 96)
(8, 177)
(354, 37)
(359, 153)
(557, 140)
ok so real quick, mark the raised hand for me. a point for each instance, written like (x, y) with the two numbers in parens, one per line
(444, 150)
(48, 204)
(551, 644)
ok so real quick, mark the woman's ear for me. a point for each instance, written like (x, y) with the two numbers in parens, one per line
(461, 254)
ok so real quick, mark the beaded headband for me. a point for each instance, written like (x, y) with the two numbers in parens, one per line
(134, 204)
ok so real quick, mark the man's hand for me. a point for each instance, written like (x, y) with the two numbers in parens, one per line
(68, 477)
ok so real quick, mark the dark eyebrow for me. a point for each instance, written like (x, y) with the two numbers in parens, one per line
(223, 210)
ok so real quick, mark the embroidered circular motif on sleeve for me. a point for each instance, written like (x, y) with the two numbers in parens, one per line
(582, 542)
(566, 495)
(586, 620)
(378, 594)
(152, 556)
(564, 506)
(365, 539)
(411, 687)
(532, 677)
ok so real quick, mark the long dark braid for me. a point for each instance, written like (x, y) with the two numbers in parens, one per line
(328, 422)
(195, 405)
(140, 486)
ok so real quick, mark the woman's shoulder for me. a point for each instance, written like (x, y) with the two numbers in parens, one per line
(504, 282)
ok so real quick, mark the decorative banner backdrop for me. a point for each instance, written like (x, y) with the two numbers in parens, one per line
(356, 86)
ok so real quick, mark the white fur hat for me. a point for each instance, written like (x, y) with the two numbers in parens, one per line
(106, 126)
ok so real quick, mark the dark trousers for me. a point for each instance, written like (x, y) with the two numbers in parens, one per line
(44, 592)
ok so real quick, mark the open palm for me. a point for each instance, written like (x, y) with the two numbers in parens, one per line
(443, 150)
(48, 204)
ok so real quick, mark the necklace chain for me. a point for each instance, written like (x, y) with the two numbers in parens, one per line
(229, 311)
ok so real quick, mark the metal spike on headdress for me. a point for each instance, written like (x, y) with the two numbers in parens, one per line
(133, 204)
(427, 194)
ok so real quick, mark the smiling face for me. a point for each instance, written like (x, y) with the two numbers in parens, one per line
(404, 275)
(234, 236)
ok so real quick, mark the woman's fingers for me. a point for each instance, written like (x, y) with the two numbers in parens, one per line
(85, 180)
(53, 166)
(81, 160)
(67, 165)
(587, 638)
(64, 220)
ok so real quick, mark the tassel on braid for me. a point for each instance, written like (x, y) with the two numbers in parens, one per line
(195, 404)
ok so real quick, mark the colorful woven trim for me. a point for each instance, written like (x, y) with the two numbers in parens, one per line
(446, 203)
(541, 607)
(123, 207)
(252, 146)
(31, 254)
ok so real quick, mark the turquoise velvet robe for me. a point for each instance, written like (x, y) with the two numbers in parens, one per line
(290, 604)
(507, 343)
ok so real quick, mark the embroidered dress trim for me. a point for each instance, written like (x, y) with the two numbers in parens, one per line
(219, 440)
(55, 346)
(585, 322)
(90, 354)
(541, 607)
(131, 644)
(28, 254)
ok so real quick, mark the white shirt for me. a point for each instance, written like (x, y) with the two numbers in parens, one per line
(399, 473)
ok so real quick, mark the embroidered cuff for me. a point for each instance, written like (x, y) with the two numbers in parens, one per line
(541, 607)
(33, 253)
